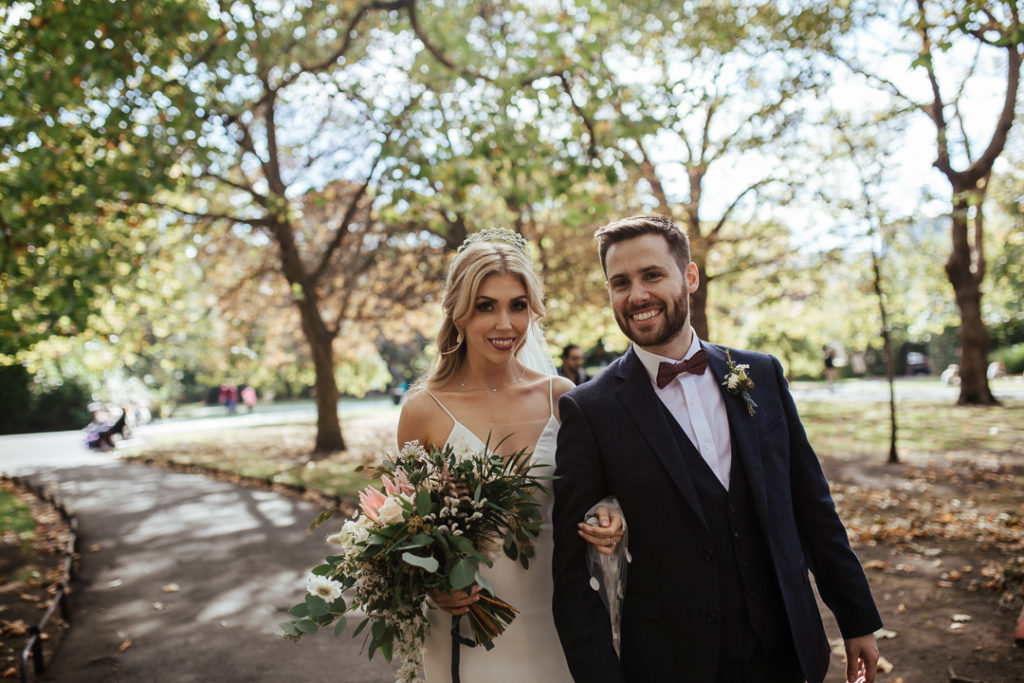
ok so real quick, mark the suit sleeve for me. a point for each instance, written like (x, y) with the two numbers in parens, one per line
(580, 616)
(837, 571)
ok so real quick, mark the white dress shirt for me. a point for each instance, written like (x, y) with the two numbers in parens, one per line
(695, 401)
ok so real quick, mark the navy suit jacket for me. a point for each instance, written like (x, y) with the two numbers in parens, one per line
(615, 439)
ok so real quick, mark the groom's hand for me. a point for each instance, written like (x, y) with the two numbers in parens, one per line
(603, 530)
(861, 652)
(455, 602)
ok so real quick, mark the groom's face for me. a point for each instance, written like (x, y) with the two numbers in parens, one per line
(649, 293)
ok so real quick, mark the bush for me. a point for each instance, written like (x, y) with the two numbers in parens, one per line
(15, 399)
(65, 406)
(1012, 357)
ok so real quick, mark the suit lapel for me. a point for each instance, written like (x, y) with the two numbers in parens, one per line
(645, 408)
(742, 430)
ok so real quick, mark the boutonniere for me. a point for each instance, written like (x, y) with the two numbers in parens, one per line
(739, 383)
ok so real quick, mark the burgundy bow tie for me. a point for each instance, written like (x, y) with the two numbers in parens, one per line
(695, 364)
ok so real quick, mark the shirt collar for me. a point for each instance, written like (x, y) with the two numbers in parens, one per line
(651, 361)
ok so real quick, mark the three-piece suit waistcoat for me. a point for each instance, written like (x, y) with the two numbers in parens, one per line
(750, 602)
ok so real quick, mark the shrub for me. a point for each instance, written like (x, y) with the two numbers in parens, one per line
(1012, 357)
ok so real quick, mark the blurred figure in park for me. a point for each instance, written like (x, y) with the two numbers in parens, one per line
(249, 397)
(830, 367)
(996, 368)
(228, 397)
(951, 375)
(572, 365)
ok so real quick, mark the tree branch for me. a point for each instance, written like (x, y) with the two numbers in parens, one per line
(735, 202)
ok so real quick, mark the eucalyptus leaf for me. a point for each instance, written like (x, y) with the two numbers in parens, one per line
(462, 574)
(428, 564)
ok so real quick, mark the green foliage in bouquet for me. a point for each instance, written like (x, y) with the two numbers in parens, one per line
(441, 514)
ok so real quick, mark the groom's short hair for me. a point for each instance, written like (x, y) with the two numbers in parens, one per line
(635, 226)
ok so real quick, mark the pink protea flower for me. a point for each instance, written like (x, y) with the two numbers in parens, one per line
(399, 485)
(370, 500)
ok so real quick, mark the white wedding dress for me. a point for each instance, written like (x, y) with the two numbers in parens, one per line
(529, 649)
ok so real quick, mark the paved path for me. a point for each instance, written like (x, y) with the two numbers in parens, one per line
(237, 555)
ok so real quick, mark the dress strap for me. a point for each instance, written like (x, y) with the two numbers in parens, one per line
(441, 404)
(551, 396)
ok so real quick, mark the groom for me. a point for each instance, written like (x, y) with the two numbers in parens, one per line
(726, 502)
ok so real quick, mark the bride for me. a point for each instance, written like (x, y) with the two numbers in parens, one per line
(493, 382)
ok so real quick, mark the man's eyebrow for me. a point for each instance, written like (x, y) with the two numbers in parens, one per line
(645, 269)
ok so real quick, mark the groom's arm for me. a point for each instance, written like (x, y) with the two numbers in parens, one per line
(580, 617)
(837, 571)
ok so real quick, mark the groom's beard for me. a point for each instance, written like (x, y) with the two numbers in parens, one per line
(673, 319)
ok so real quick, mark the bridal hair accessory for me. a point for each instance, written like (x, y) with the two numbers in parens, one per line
(495, 234)
(738, 383)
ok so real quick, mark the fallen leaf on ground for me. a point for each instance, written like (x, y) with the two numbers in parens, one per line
(158, 605)
(11, 672)
(884, 633)
(124, 646)
(884, 665)
(961, 618)
(171, 588)
(876, 564)
(14, 628)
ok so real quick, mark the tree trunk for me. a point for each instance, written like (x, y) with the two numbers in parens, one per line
(965, 272)
(699, 304)
(321, 346)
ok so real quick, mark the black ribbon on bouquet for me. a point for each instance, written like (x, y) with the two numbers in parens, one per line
(457, 641)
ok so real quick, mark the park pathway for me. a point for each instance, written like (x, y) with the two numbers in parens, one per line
(183, 579)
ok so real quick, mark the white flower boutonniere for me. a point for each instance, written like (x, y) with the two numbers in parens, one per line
(738, 383)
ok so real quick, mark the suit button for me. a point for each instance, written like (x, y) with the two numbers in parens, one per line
(712, 617)
(709, 555)
(732, 507)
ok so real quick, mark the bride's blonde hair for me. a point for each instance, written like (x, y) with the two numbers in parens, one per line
(473, 264)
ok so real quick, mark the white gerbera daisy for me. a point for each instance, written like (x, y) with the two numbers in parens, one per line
(328, 589)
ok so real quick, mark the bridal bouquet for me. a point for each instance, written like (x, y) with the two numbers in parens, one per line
(439, 515)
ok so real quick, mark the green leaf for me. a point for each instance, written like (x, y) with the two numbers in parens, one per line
(423, 502)
(462, 574)
(428, 564)
(338, 606)
(289, 630)
(484, 583)
(300, 610)
(361, 626)
(417, 541)
(306, 626)
(321, 518)
(462, 544)
(340, 626)
(316, 605)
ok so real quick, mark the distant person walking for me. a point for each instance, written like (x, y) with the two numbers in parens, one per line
(830, 367)
(572, 365)
(249, 397)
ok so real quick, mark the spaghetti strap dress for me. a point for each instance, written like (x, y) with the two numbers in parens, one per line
(529, 649)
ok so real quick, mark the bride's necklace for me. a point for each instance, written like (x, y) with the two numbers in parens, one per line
(494, 390)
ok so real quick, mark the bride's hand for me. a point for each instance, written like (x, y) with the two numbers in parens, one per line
(604, 531)
(455, 602)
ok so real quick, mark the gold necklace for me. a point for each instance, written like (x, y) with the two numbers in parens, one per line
(463, 387)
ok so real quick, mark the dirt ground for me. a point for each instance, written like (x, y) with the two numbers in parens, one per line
(943, 547)
(29, 576)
